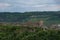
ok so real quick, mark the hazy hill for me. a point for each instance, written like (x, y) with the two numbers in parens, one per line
(48, 17)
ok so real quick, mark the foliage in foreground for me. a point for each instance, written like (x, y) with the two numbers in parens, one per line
(27, 33)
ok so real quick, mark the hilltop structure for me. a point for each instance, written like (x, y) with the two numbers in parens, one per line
(41, 23)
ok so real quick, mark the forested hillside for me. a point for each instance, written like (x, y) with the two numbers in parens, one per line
(20, 17)
(30, 26)
(49, 17)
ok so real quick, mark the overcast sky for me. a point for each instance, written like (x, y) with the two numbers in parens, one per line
(29, 5)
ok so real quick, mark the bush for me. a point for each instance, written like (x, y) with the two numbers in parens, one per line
(23, 33)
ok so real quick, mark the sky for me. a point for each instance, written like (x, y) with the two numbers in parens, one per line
(29, 5)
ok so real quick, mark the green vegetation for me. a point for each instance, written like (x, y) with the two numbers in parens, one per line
(47, 17)
(8, 32)
(27, 33)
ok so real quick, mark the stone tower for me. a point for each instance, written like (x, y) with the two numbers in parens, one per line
(41, 23)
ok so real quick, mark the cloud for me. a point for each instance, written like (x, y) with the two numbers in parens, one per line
(35, 3)
(29, 5)
(4, 5)
(44, 8)
(53, 7)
